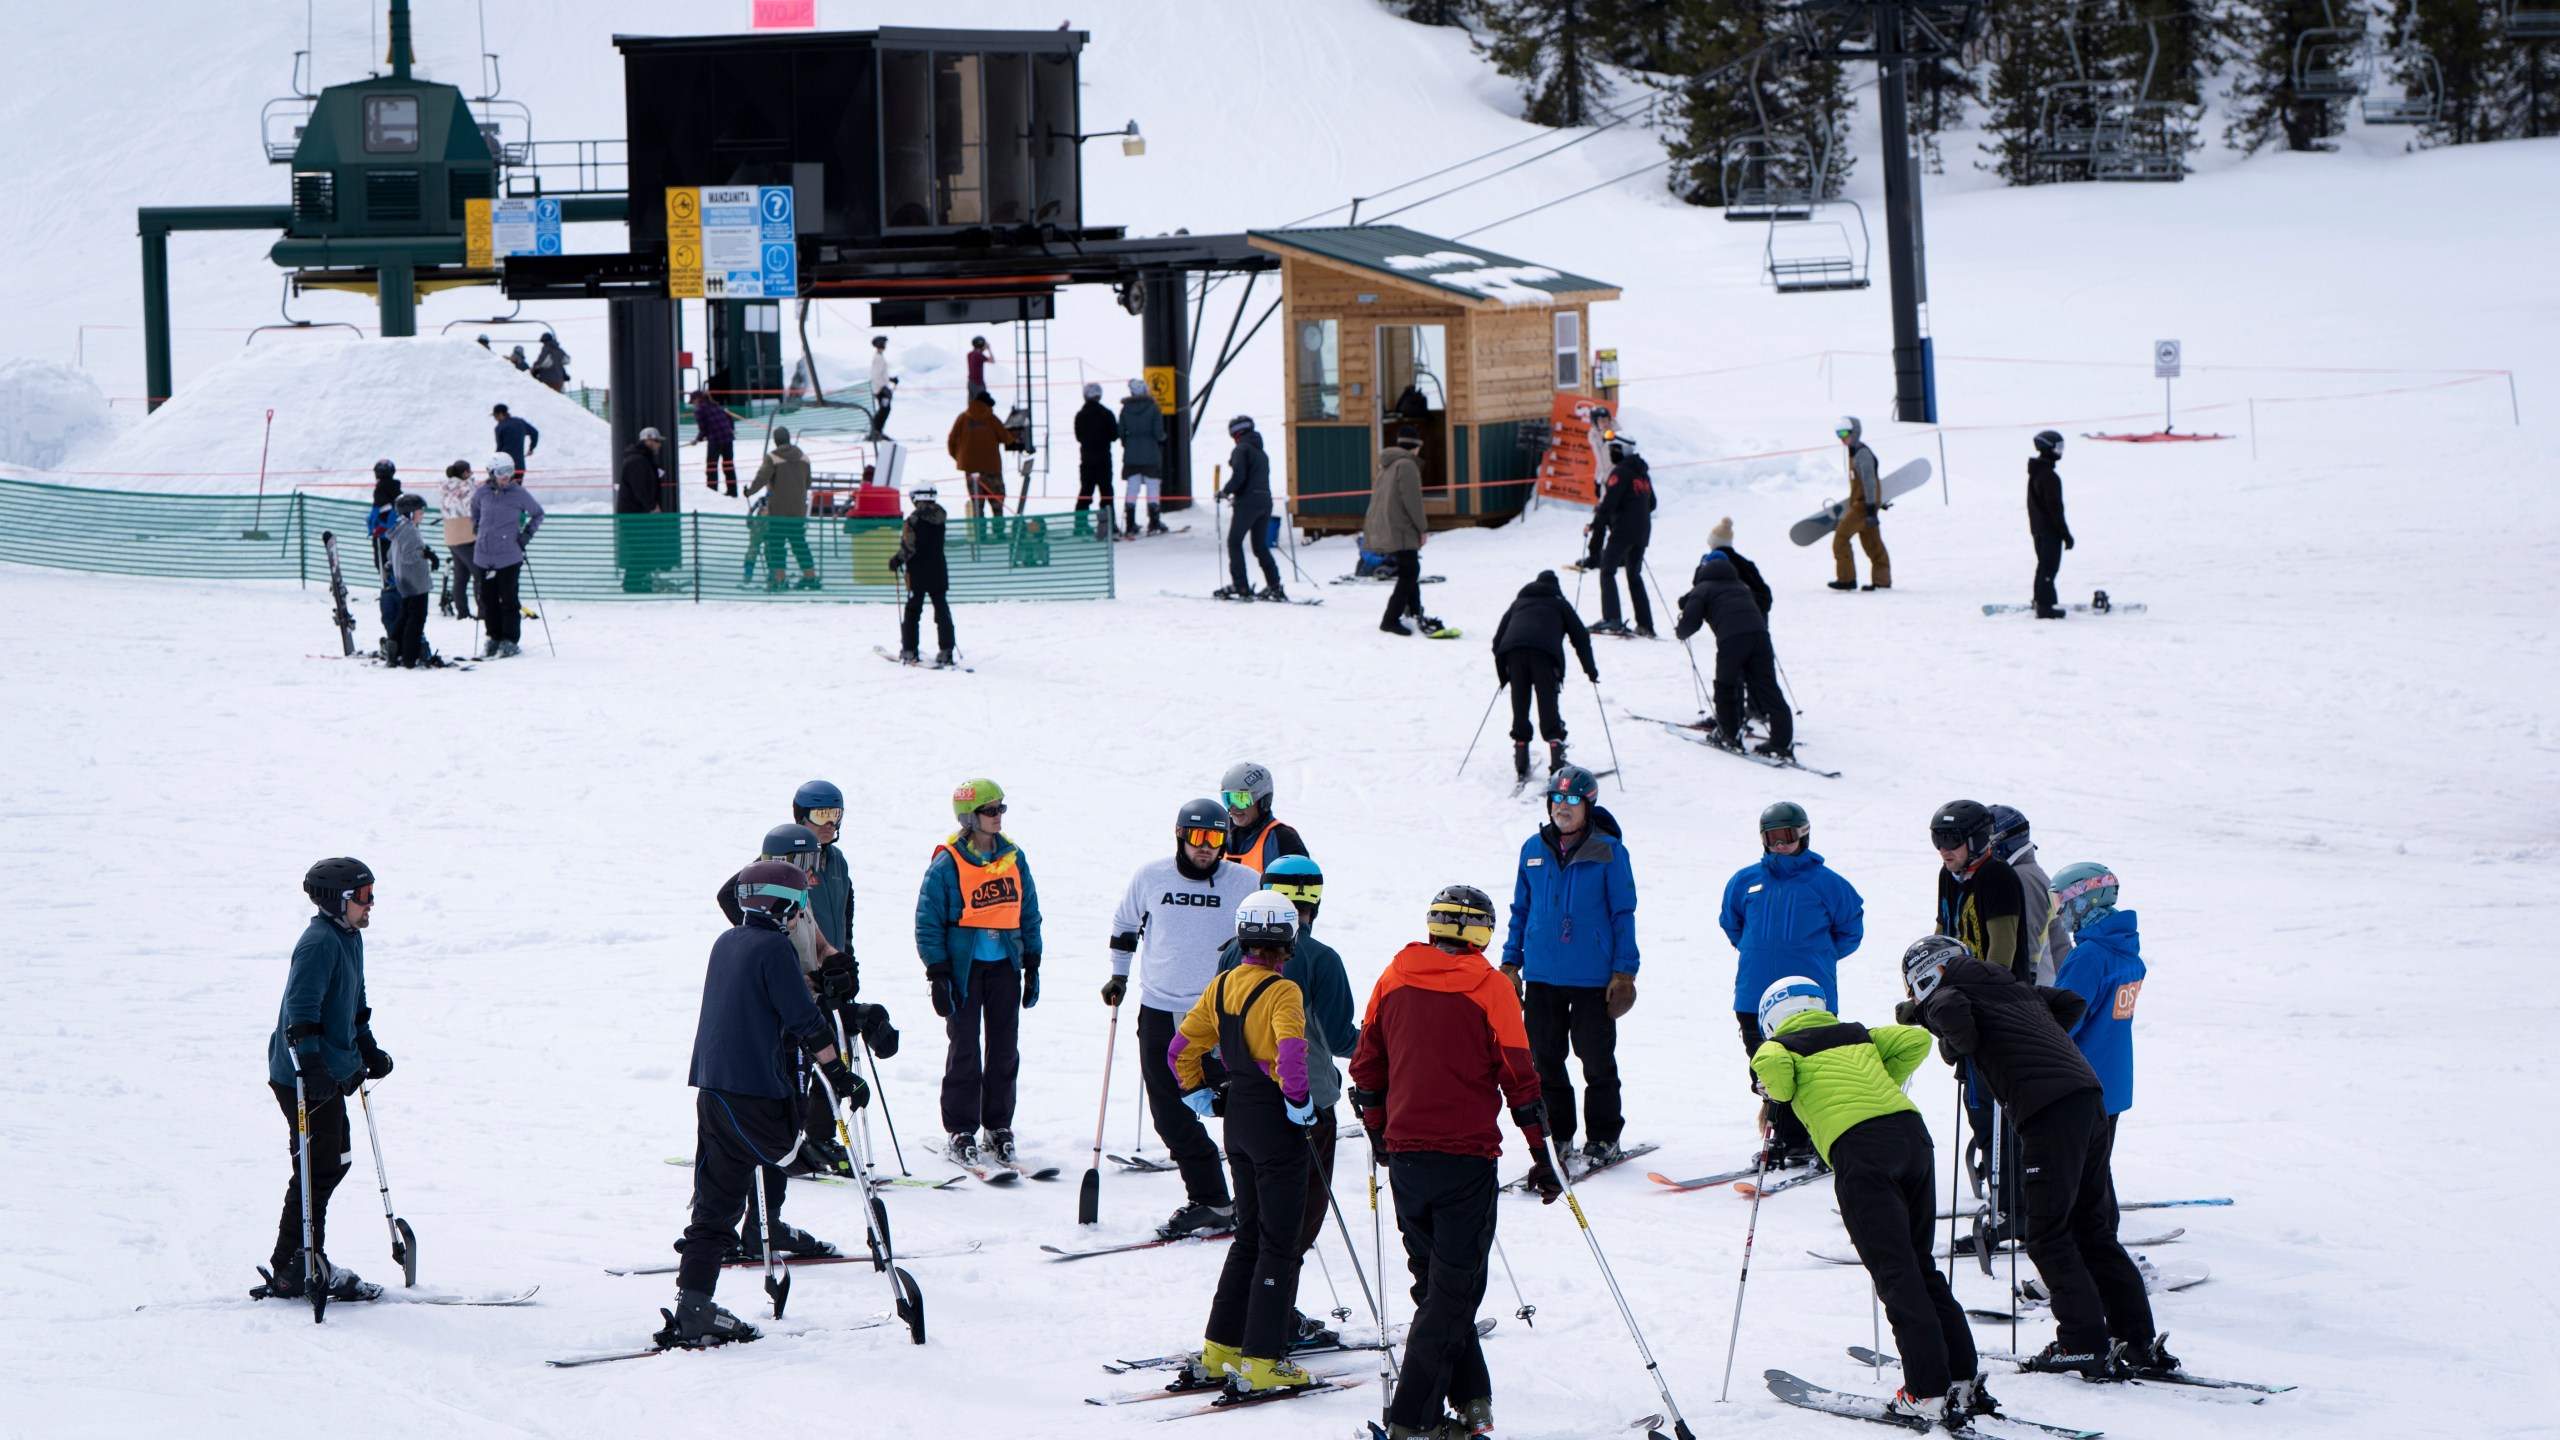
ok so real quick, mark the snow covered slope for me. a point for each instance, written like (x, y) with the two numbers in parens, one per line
(2323, 762)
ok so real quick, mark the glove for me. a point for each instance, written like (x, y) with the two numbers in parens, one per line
(1542, 1179)
(1622, 995)
(1883, 505)
(872, 1023)
(939, 978)
(377, 1061)
(317, 1083)
(1906, 1012)
(1030, 981)
(435, 564)
(1301, 1112)
(848, 1086)
(2066, 542)
(1512, 974)
(836, 983)
(1203, 1101)
(1114, 988)
(1594, 675)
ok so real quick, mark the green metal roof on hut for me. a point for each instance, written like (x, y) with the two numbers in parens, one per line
(1466, 273)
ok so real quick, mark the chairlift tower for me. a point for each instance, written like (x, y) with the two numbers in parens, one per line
(1893, 34)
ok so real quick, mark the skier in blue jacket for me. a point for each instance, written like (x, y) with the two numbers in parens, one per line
(978, 933)
(2104, 968)
(1571, 953)
(1788, 914)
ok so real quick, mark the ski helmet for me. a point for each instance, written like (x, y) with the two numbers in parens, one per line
(333, 882)
(411, 503)
(1137, 388)
(2084, 892)
(1961, 822)
(1572, 783)
(1267, 920)
(797, 844)
(384, 469)
(2008, 831)
(1461, 913)
(879, 342)
(922, 495)
(1925, 963)
(1849, 429)
(1787, 998)
(502, 467)
(816, 795)
(1240, 425)
(781, 434)
(2049, 441)
(1249, 781)
(1788, 821)
(1296, 876)
(974, 795)
(1201, 822)
(773, 888)
(1092, 390)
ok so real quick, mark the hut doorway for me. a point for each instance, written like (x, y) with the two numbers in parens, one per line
(1413, 361)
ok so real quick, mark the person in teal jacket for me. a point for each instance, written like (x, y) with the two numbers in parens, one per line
(978, 933)
(1787, 913)
(1571, 953)
(323, 1040)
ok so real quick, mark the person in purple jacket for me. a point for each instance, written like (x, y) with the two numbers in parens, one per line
(719, 431)
(504, 517)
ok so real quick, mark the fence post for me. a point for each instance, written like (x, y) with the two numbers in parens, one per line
(302, 540)
(695, 519)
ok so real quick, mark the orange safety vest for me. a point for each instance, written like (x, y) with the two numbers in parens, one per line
(990, 893)
(1259, 853)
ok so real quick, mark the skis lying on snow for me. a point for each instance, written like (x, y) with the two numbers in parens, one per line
(1382, 579)
(1805, 1395)
(1703, 1182)
(1266, 1397)
(1183, 1386)
(2120, 1205)
(2155, 1281)
(1397, 1333)
(796, 1262)
(390, 1296)
(1142, 1164)
(1702, 733)
(1747, 1188)
(1865, 1356)
(1031, 1169)
(1829, 1257)
(892, 657)
(605, 1357)
(1055, 1253)
(2136, 608)
(1582, 1170)
(686, 1161)
(1229, 600)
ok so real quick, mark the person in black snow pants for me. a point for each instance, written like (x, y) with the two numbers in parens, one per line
(756, 1014)
(1096, 433)
(412, 570)
(378, 524)
(2051, 532)
(1626, 513)
(516, 439)
(719, 431)
(928, 575)
(1248, 491)
(1528, 656)
(1746, 663)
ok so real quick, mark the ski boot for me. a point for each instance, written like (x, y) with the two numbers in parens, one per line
(1774, 750)
(1612, 627)
(1442, 1429)
(1128, 520)
(698, 1324)
(773, 581)
(908, 656)
(1555, 756)
(508, 649)
(1209, 1369)
(1272, 591)
(1971, 1398)
(1597, 1153)
(733, 489)
(1474, 1418)
(1257, 1376)
(942, 660)
(285, 1283)
(489, 649)
(999, 1148)
(1314, 1334)
(821, 1155)
(1520, 760)
(808, 580)
(1198, 1219)
(1645, 632)
(1155, 520)
(1915, 1411)
(2095, 1366)
(1840, 584)
(2147, 1360)
(1394, 626)
(1229, 592)
(963, 1152)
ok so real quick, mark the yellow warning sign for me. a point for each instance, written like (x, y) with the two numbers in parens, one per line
(684, 242)
(477, 251)
(1160, 385)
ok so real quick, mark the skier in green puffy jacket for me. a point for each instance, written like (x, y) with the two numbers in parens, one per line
(1845, 1083)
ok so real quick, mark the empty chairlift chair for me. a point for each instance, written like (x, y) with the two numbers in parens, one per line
(2421, 97)
(2332, 62)
(1770, 177)
(1818, 253)
(2532, 20)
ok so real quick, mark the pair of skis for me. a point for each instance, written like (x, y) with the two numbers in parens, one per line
(1865, 1356)
(1484, 1327)
(1704, 733)
(686, 1162)
(1157, 1243)
(1834, 1257)
(1581, 1169)
(1746, 1181)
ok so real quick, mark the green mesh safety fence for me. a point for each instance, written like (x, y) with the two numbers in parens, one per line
(575, 557)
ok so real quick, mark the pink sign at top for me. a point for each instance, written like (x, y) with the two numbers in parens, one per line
(785, 14)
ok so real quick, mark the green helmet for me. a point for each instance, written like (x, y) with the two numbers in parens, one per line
(973, 795)
(1785, 815)
(2083, 892)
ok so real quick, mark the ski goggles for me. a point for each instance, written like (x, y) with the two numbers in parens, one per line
(1559, 797)
(1237, 799)
(990, 811)
(1202, 835)
(832, 815)
(360, 897)
(1309, 892)
(1844, 432)
(2095, 882)
(1781, 835)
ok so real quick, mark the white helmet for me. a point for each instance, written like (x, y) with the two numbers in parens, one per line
(1267, 920)
(921, 494)
(1849, 429)
(1092, 390)
(1787, 998)
(502, 467)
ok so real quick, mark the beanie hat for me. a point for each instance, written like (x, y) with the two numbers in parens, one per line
(1722, 535)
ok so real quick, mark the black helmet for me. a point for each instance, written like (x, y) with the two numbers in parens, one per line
(331, 883)
(1572, 782)
(1786, 815)
(411, 503)
(773, 888)
(2049, 441)
(384, 469)
(1925, 963)
(795, 843)
(1461, 913)
(1204, 817)
(1961, 822)
(2008, 831)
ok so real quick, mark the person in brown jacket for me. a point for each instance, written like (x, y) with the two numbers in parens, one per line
(785, 475)
(1395, 526)
(977, 447)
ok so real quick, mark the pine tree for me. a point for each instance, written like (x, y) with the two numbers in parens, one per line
(1642, 33)
(2031, 49)
(2464, 40)
(1555, 49)
(2265, 105)
(1433, 12)
(2529, 101)
(1742, 76)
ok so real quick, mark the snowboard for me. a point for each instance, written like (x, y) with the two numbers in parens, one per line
(1827, 519)
(1382, 578)
(1223, 600)
(892, 657)
(2100, 606)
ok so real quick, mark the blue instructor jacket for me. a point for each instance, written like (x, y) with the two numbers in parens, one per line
(1573, 922)
(2105, 969)
(1790, 915)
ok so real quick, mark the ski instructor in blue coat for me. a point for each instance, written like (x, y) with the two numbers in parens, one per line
(1788, 914)
(1571, 953)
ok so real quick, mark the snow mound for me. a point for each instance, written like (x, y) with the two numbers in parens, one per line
(46, 411)
(339, 406)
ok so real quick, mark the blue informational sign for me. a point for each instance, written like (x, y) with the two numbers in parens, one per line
(748, 248)
(521, 226)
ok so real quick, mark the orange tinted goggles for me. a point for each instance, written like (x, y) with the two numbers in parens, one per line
(1214, 839)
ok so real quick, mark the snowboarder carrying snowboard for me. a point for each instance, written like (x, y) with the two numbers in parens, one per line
(921, 561)
(1746, 662)
(2045, 523)
(1528, 656)
(1570, 952)
(1844, 1083)
(1396, 527)
(1625, 515)
(1182, 908)
(755, 1009)
(1254, 1017)
(1789, 916)
(1254, 837)
(1864, 516)
(321, 1049)
(2010, 1034)
(978, 931)
(1441, 1051)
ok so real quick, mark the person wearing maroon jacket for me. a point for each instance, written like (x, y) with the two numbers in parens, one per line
(1442, 1049)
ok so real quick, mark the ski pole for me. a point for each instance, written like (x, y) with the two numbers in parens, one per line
(315, 1278)
(1378, 1254)
(1602, 705)
(544, 615)
(1652, 1367)
(1089, 1197)
(1733, 1333)
(404, 1242)
(1527, 1312)
(881, 1094)
(1139, 1149)
(1340, 1312)
(1706, 705)
(908, 1295)
(1480, 724)
(1955, 1180)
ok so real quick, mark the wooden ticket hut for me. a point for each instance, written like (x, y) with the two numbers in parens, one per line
(1389, 326)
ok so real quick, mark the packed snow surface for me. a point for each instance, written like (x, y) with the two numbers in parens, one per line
(2322, 762)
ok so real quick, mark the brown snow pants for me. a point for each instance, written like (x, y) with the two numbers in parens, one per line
(1859, 521)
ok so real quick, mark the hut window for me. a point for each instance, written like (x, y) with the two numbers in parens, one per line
(1568, 349)
(1320, 370)
(959, 141)
(391, 124)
